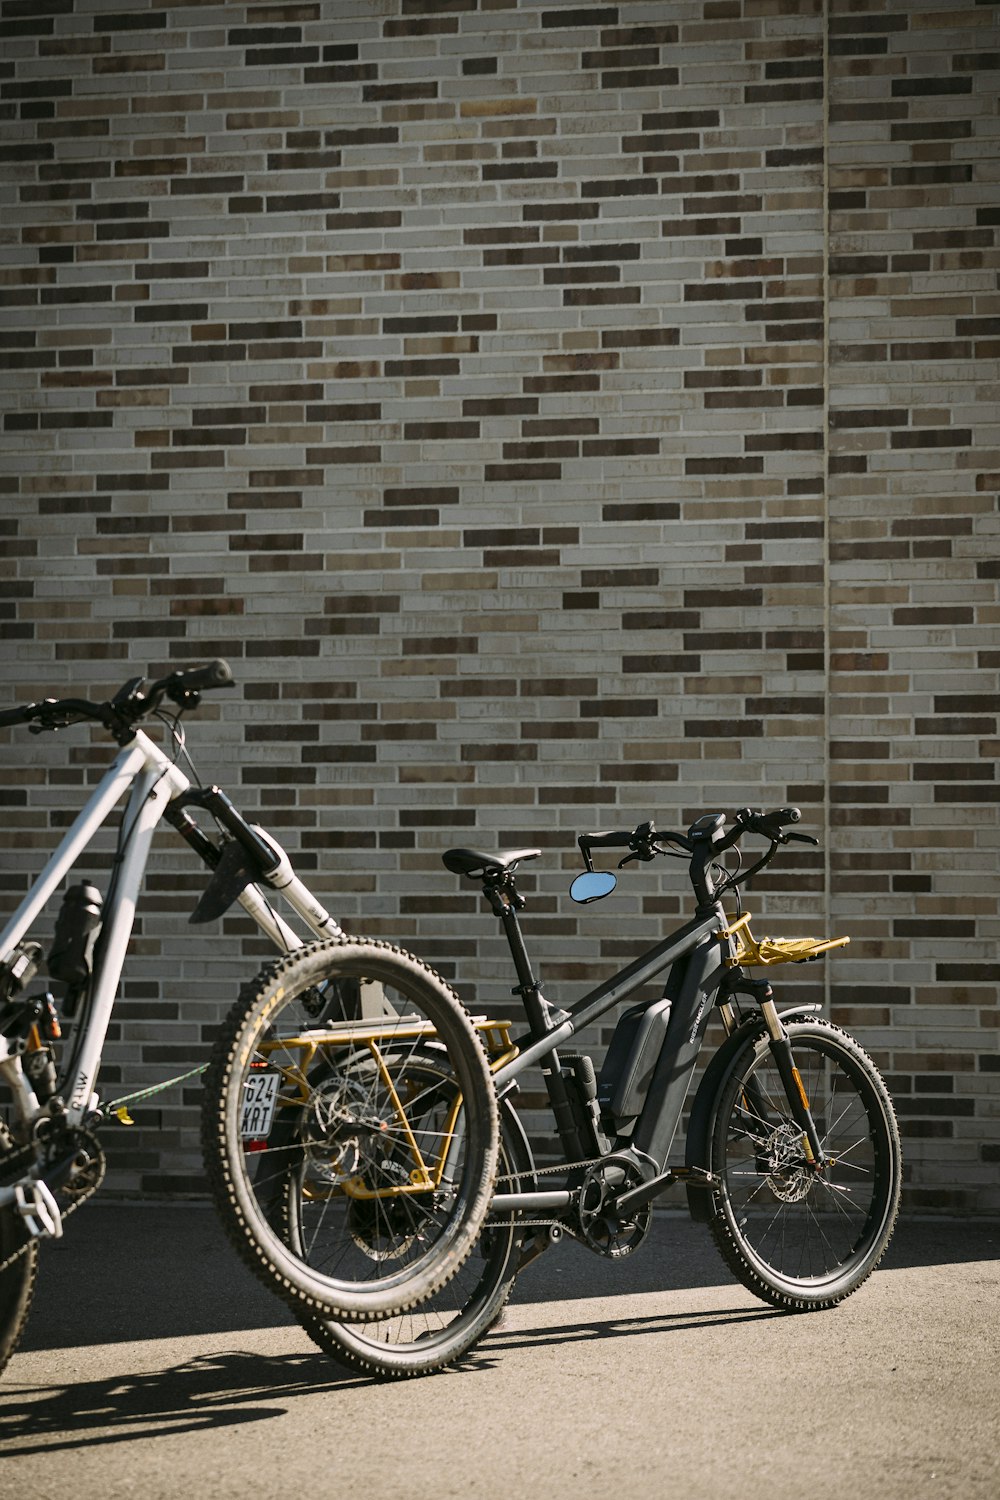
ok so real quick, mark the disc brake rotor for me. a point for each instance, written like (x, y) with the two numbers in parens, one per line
(338, 1130)
(347, 1141)
(788, 1174)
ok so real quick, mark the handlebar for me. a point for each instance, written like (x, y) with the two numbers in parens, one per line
(638, 842)
(705, 841)
(770, 825)
(132, 702)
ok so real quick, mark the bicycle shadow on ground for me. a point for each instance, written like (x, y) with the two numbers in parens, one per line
(680, 1255)
(234, 1388)
(161, 1273)
(503, 1340)
(212, 1391)
(154, 1272)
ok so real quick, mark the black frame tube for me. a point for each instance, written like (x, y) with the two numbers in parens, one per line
(697, 943)
(668, 1088)
(597, 1001)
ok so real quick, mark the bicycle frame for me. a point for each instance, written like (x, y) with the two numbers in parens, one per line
(700, 946)
(344, 997)
(156, 789)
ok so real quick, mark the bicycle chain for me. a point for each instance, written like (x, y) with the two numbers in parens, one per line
(9, 1163)
(571, 1166)
(516, 1177)
(17, 1162)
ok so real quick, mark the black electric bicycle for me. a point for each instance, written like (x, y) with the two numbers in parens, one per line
(792, 1156)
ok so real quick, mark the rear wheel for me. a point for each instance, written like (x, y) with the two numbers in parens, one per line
(439, 1330)
(801, 1238)
(390, 1196)
(17, 1281)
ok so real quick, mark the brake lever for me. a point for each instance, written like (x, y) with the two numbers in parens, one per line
(50, 723)
(187, 699)
(800, 838)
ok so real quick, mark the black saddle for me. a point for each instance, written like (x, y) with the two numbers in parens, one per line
(480, 866)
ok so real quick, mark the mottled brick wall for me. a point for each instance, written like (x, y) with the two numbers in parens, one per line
(491, 384)
(914, 154)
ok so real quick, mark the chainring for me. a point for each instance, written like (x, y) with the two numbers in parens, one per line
(602, 1229)
(84, 1181)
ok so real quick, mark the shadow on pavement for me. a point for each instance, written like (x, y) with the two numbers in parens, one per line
(610, 1328)
(126, 1272)
(942, 1242)
(233, 1388)
(218, 1390)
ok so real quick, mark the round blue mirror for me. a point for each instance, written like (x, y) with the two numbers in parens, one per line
(592, 885)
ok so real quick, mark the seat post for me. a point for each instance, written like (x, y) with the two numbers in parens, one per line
(543, 1018)
(501, 892)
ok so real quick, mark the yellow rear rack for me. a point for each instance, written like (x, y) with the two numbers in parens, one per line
(427, 1173)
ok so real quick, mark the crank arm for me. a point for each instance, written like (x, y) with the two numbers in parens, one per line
(638, 1197)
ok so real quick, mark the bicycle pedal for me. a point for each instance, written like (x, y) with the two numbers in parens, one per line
(39, 1210)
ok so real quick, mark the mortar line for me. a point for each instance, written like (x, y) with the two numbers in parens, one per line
(827, 857)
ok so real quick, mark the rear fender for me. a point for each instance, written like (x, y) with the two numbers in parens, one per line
(516, 1141)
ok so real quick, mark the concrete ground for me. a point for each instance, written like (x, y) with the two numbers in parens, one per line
(154, 1366)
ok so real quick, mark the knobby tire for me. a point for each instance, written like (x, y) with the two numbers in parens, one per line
(439, 1331)
(800, 1240)
(342, 1128)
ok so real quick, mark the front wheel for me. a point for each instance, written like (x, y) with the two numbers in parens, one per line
(391, 1194)
(800, 1237)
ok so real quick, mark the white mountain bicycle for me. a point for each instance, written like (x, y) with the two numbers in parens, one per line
(351, 1179)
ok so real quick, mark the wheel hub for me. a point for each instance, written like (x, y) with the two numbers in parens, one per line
(346, 1139)
(339, 1130)
(789, 1175)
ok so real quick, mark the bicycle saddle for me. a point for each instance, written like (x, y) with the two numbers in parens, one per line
(477, 865)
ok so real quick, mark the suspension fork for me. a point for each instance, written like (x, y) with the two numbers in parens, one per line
(784, 1060)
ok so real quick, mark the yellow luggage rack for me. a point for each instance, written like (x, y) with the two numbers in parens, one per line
(429, 1158)
(496, 1035)
(765, 951)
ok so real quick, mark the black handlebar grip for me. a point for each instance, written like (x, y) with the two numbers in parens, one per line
(605, 840)
(216, 674)
(767, 824)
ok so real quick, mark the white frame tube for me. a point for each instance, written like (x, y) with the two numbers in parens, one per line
(109, 790)
(151, 781)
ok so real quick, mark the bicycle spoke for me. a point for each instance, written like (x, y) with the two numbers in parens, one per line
(366, 1172)
(793, 1228)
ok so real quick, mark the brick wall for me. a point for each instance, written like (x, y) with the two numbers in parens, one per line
(913, 304)
(558, 414)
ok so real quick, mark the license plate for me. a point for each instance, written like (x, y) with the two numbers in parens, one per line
(260, 1095)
